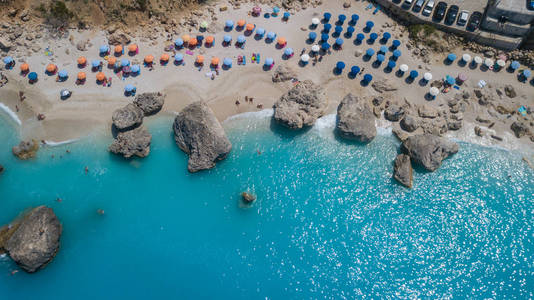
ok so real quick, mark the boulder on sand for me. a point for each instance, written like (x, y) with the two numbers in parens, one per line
(26, 149)
(35, 239)
(198, 133)
(133, 142)
(128, 117)
(409, 123)
(403, 171)
(301, 106)
(150, 103)
(520, 129)
(283, 73)
(394, 113)
(355, 120)
(429, 150)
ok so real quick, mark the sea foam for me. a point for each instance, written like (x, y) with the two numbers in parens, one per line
(10, 113)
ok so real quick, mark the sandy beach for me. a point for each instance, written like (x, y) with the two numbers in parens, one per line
(90, 108)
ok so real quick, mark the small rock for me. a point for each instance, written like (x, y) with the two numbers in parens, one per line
(479, 131)
(454, 125)
(403, 171)
(510, 91)
(247, 197)
(358, 53)
(520, 129)
(346, 4)
(26, 150)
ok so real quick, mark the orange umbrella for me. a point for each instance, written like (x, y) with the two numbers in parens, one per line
(149, 59)
(112, 60)
(132, 48)
(100, 76)
(51, 68)
(200, 59)
(118, 49)
(165, 57)
(82, 60)
(193, 42)
(241, 23)
(24, 67)
(282, 41)
(81, 76)
(215, 61)
(249, 27)
(210, 39)
(186, 38)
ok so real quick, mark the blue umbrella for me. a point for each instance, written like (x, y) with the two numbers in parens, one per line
(339, 41)
(63, 73)
(271, 35)
(32, 76)
(327, 16)
(383, 49)
(286, 15)
(129, 88)
(367, 77)
(449, 79)
(327, 27)
(451, 57)
(341, 18)
(350, 29)
(338, 29)
(397, 53)
(370, 52)
(414, 73)
(340, 65)
(380, 57)
(125, 62)
(396, 43)
(260, 31)
(354, 18)
(8, 60)
(312, 36)
(104, 49)
(526, 73)
(391, 64)
(369, 24)
(355, 70)
(324, 37)
(360, 37)
(179, 42)
(95, 63)
(373, 36)
(179, 57)
(135, 69)
(515, 65)
(269, 61)
(229, 23)
(227, 62)
(227, 39)
(276, 9)
(325, 46)
(241, 39)
(288, 51)
(386, 36)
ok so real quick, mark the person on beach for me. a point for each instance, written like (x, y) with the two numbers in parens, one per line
(303, 51)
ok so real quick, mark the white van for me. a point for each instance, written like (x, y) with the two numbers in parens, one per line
(428, 8)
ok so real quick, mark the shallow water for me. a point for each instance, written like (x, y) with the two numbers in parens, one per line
(329, 221)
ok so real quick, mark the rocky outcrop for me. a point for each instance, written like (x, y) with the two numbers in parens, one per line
(301, 106)
(134, 142)
(427, 111)
(128, 117)
(247, 197)
(409, 123)
(33, 241)
(26, 149)
(150, 103)
(355, 120)
(199, 134)
(520, 129)
(394, 113)
(384, 85)
(283, 73)
(119, 38)
(403, 171)
(429, 150)
(510, 91)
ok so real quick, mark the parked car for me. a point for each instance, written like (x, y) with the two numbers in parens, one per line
(452, 13)
(428, 8)
(439, 12)
(407, 4)
(462, 18)
(418, 5)
(531, 4)
(474, 21)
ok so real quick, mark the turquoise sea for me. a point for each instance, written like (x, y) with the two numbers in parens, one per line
(329, 223)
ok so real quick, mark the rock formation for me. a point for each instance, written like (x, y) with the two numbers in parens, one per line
(384, 85)
(394, 113)
(283, 73)
(301, 106)
(33, 240)
(26, 149)
(409, 123)
(128, 117)
(520, 129)
(199, 134)
(403, 171)
(150, 103)
(132, 142)
(247, 197)
(429, 150)
(355, 120)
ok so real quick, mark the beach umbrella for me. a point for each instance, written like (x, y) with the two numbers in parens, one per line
(204, 25)
(8, 60)
(210, 39)
(383, 49)
(325, 46)
(81, 76)
(276, 9)
(269, 61)
(355, 70)
(396, 44)
(125, 62)
(282, 41)
(100, 76)
(427, 76)
(256, 10)
(312, 36)
(133, 48)
(462, 77)
(229, 24)
(340, 65)
(215, 61)
(373, 36)
(32, 76)
(488, 62)
(369, 24)
(227, 62)
(305, 57)
(338, 29)
(249, 27)
(241, 23)
(341, 18)
(370, 52)
(135, 69)
(179, 42)
(339, 41)
(118, 49)
(367, 77)
(241, 39)
(271, 35)
(380, 57)
(104, 49)
(397, 53)
(112, 60)
(288, 51)
(324, 37)
(414, 74)
(450, 80)
(477, 59)
(434, 91)
(95, 63)
(24, 67)
(199, 59)
(404, 68)
(149, 59)
(466, 58)
(316, 21)
(63, 74)
(327, 28)
(350, 30)
(179, 57)
(260, 31)
(391, 64)
(51, 68)
(286, 15)
(515, 65)
(327, 16)
(451, 57)
(129, 88)
(227, 39)
(386, 36)
(526, 73)
(82, 61)
(193, 42)
(501, 63)
(315, 48)
(354, 18)
(360, 37)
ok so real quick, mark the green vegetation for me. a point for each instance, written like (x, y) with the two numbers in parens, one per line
(59, 11)
(417, 29)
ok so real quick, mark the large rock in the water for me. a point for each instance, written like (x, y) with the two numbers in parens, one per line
(26, 149)
(133, 142)
(35, 242)
(403, 171)
(355, 120)
(429, 150)
(301, 106)
(198, 133)
(150, 103)
(248, 197)
(283, 73)
(128, 117)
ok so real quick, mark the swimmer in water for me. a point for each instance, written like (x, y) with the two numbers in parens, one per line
(14, 272)
(86, 170)
(259, 152)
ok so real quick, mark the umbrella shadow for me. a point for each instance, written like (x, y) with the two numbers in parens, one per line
(351, 75)
(387, 70)
(423, 82)
(376, 64)
(409, 80)
(447, 62)
(461, 63)
(357, 42)
(336, 34)
(228, 29)
(364, 82)
(472, 66)
(269, 41)
(399, 73)
(336, 71)
(258, 37)
(312, 27)
(366, 29)
(370, 41)
(347, 35)
(310, 41)
(383, 41)
(366, 58)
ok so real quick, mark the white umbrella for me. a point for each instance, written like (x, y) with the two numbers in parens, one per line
(501, 63)
(427, 76)
(489, 62)
(403, 68)
(315, 21)
(478, 59)
(305, 57)
(315, 48)
(466, 57)
(434, 91)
